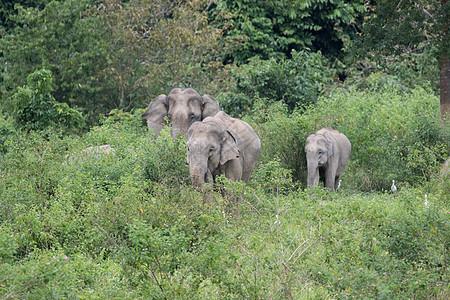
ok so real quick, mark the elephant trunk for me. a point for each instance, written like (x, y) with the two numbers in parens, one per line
(313, 174)
(200, 175)
(177, 131)
(179, 124)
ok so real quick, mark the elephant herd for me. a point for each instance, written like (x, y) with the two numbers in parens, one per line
(219, 144)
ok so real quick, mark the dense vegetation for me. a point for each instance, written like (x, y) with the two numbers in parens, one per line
(128, 224)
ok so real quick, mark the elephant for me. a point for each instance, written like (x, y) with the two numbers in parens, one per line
(221, 145)
(327, 154)
(182, 106)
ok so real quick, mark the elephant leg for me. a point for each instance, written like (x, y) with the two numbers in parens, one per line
(330, 178)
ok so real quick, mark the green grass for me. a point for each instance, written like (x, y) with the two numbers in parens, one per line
(130, 226)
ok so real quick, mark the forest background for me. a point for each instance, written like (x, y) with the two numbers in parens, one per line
(76, 74)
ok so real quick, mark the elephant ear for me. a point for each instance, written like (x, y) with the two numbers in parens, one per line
(210, 107)
(157, 110)
(229, 148)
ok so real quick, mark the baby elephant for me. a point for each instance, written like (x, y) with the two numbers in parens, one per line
(221, 145)
(327, 154)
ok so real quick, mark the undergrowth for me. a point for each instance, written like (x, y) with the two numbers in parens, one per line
(127, 224)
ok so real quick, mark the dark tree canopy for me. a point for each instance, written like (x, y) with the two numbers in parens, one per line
(405, 28)
(273, 28)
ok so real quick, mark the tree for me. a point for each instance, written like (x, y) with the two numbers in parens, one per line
(297, 82)
(404, 27)
(112, 54)
(66, 39)
(7, 9)
(159, 44)
(273, 28)
(37, 109)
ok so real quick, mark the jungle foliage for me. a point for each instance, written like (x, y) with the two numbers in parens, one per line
(127, 224)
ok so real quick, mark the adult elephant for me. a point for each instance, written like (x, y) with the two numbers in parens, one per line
(182, 106)
(327, 154)
(221, 145)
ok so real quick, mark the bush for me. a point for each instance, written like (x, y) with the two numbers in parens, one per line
(297, 82)
(392, 137)
(282, 135)
(55, 275)
(36, 109)
(129, 225)
(7, 130)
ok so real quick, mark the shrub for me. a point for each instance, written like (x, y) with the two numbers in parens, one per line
(7, 131)
(392, 137)
(8, 245)
(272, 177)
(282, 135)
(389, 131)
(36, 109)
(297, 82)
(132, 226)
(56, 275)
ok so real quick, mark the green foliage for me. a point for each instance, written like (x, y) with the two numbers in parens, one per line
(128, 224)
(272, 177)
(401, 27)
(405, 72)
(282, 136)
(8, 245)
(394, 135)
(7, 129)
(7, 10)
(36, 109)
(157, 45)
(392, 138)
(77, 222)
(63, 38)
(404, 41)
(272, 29)
(298, 82)
(55, 275)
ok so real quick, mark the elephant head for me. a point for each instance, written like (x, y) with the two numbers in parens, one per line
(319, 148)
(182, 107)
(208, 148)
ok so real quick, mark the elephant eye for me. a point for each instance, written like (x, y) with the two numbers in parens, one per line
(211, 149)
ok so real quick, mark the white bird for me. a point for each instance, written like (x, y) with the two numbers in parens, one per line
(339, 185)
(277, 222)
(393, 187)
(426, 201)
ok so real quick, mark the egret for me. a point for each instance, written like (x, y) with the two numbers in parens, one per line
(426, 201)
(339, 185)
(393, 187)
(277, 222)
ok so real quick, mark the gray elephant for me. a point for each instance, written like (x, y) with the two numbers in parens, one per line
(221, 145)
(327, 154)
(182, 106)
